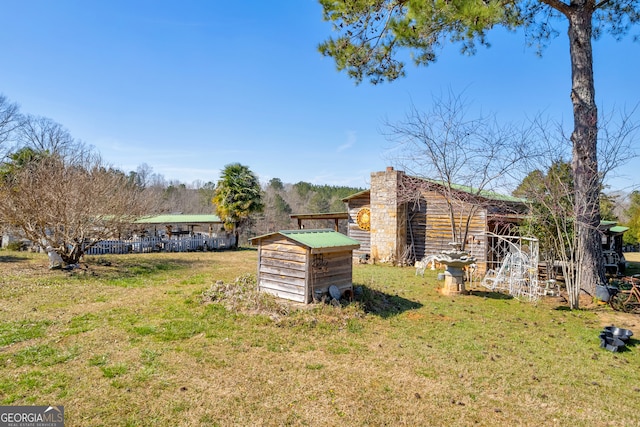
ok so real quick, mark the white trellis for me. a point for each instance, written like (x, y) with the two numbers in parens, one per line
(513, 266)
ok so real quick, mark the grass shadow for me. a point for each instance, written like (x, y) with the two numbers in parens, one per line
(244, 248)
(126, 271)
(382, 304)
(632, 342)
(12, 258)
(490, 295)
(632, 268)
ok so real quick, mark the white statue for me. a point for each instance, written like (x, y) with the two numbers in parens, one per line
(55, 260)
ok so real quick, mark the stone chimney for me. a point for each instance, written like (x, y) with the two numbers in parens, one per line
(388, 229)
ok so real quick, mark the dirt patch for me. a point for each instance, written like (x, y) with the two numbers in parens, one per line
(414, 316)
(606, 315)
(619, 319)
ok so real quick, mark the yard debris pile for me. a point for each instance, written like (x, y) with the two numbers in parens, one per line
(242, 295)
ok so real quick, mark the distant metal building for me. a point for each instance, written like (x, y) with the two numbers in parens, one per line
(179, 224)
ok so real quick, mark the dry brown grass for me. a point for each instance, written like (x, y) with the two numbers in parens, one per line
(134, 344)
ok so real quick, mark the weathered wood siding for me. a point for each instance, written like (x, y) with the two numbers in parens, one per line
(416, 229)
(332, 268)
(289, 270)
(355, 232)
(428, 228)
(438, 228)
(282, 269)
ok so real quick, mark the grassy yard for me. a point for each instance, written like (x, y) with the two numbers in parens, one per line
(146, 341)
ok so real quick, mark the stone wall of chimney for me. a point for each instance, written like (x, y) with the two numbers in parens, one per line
(388, 228)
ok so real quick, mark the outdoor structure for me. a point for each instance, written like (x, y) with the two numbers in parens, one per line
(455, 261)
(180, 224)
(612, 246)
(613, 249)
(335, 217)
(8, 237)
(160, 233)
(170, 233)
(302, 265)
(359, 221)
(518, 272)
(401, 219)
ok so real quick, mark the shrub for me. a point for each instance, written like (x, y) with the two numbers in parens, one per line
(17, 245)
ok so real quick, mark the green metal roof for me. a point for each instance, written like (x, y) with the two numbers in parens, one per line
(179, 219)
(618, 229)
(607, 223)
(490, 195)
(315, 239)
(358, 194)
(612, 227)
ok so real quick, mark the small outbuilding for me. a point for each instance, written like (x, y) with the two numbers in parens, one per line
(301, 265)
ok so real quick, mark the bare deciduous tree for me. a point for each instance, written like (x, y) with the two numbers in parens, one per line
(550, 192)
(9, 122)
(617, 134)
(69, 205)
(550, 197)
(45, 135)
(464, 157)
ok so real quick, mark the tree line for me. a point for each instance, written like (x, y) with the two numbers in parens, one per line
(61, 195)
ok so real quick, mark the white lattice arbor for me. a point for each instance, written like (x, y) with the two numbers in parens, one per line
(512, 266)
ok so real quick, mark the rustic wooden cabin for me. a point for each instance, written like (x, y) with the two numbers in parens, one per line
(404, 218)
(359, 221)
(301, 265)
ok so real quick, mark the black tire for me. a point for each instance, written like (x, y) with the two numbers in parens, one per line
(618, 302)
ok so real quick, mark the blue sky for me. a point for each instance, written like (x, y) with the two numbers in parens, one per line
(190, 86)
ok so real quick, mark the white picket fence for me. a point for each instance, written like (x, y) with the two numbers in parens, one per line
(158, 244)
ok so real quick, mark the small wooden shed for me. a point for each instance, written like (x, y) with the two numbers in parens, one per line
(302, 264)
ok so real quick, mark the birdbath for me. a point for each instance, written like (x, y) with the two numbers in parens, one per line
(454, 260)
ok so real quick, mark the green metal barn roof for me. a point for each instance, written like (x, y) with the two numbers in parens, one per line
(618, 229)
(314, 239)
(486, 194)
(179, 219)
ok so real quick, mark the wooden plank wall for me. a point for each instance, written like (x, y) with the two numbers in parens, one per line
(332, 268)
(283, 269)
(438, 228)
(353, 231)
(416, 229)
